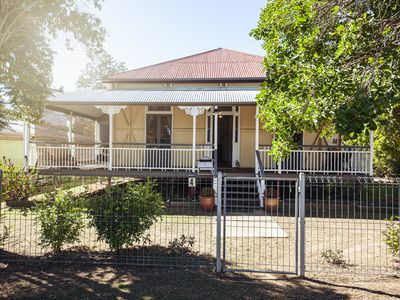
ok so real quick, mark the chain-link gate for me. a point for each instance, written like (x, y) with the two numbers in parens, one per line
(261, 224)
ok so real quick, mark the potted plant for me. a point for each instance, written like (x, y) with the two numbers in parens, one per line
(271, 199)
(207, 199)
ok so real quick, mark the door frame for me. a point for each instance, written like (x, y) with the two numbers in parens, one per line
(235, 113)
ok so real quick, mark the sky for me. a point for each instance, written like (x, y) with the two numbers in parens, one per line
(144, 32)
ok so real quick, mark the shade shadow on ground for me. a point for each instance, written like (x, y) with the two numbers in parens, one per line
(45, 279)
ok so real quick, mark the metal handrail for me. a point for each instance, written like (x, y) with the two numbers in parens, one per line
(260, 164)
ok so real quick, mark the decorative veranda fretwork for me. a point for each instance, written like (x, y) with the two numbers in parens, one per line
(110, 110)
(194, 110)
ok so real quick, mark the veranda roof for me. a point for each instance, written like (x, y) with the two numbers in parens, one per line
(83, 102)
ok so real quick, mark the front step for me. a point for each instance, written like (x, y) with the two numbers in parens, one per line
(241, 194)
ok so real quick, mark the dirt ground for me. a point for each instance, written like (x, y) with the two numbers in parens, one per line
(91, 281)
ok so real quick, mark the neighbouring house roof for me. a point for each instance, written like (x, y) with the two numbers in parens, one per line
(82, 102)
(13, 132)
(214, 65)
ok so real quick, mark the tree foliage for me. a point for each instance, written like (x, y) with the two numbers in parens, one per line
(331, 66)
(27, 29)
(99, 67)
(386, 143)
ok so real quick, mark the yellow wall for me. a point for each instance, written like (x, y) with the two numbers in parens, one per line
(247, 136)
(183, 129)
(129, 125)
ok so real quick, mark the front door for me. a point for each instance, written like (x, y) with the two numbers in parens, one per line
(158, 136)
(225, 137)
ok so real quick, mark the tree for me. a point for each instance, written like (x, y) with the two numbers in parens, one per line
(331, 66)
(27, 29)
(99, 67)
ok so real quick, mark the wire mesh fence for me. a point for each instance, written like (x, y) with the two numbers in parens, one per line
(351, 225)
(132, 220)
(260, 233)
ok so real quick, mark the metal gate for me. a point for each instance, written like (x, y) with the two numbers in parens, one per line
(260, 224)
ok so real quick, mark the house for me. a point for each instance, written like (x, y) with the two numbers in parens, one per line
(177, 115)
(11, 143)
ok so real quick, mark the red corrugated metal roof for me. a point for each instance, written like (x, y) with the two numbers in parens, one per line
(215, 64)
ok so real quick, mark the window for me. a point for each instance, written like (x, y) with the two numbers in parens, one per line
(158, 129)
(224, 108)
(157, 108)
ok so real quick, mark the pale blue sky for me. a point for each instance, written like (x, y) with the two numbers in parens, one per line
(144, 32)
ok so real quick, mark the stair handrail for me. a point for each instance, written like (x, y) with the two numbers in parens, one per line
(260, 174)
(260, 164)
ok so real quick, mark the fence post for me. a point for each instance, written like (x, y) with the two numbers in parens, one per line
(1, 185)
(219, 206)
(302, 194)
(371, 153)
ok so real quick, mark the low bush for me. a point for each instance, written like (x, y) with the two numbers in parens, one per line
(18, 184)
(333, 257)
(392, 235)
(122, 214)
(61, 218)
(181, 245)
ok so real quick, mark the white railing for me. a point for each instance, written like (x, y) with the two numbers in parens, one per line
(157, 158)
(123, 158)
(68, 156)
(329, 161)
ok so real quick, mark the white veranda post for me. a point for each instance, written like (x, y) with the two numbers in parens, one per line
(71, 134)
(97, 139)
(110, 110)
(257, 137)
(194, 111)
(215, 130)
(26, 136)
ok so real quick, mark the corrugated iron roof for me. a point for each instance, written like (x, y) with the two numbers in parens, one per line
(167, 96)
(218, 64)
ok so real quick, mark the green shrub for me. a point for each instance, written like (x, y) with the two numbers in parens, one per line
(182, 245)
(121, 215)
(61, 218)
(18, 184)
(333, 257)
(392, 235)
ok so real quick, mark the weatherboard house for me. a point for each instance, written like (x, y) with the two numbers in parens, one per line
(185, 115)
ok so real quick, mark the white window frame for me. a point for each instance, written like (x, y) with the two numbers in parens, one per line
(156, 112)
